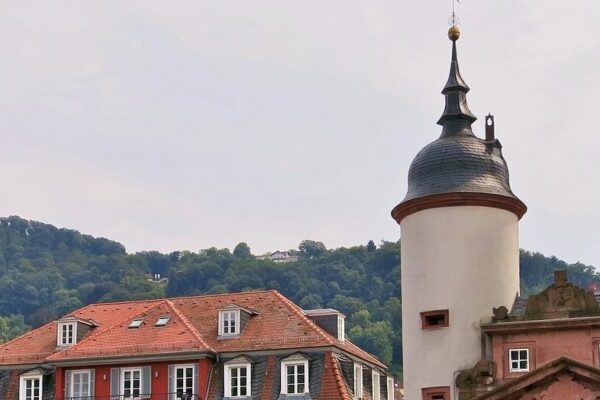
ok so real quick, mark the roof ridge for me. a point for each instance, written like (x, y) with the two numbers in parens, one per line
(188, 324)
(339, 379)
(107, 329)
(298, 311)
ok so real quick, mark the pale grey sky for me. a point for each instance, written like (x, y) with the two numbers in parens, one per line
(191, 124)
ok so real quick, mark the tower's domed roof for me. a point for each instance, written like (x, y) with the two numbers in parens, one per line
(463, 164)
(459, 168)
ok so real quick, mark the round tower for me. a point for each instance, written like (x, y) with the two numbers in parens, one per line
(459, 245)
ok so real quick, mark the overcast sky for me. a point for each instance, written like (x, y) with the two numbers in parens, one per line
(185, 125)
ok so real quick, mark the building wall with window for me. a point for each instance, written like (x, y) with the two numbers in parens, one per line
(256, 345)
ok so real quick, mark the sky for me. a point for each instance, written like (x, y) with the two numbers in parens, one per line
(191, 124)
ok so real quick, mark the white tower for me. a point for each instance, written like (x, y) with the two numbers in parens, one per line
(460, 249)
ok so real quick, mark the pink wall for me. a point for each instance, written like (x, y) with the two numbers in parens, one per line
(580, 344)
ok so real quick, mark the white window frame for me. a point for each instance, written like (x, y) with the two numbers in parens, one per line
(222, 319)
(358, 381)
(284, 376)
(238, 364)
(518, 360)
(122, 379)
(22, 383)
(72, 382)
(375, 385)
(62, 338)
(390, 388)
(341, 331)
(184, 367)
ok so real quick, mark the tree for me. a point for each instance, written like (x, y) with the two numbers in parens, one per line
(371, 246)
(310, 248)
(242, 250)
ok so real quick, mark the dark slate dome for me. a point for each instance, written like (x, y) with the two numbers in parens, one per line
(459, 168)
(462, 163)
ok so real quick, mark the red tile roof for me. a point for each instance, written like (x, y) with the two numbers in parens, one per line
(278, 324)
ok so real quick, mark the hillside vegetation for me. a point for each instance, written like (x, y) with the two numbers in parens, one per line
(46, 272)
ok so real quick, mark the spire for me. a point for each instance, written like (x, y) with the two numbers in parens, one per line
(456, 116)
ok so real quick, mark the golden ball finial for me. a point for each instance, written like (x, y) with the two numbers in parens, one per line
(453, 33)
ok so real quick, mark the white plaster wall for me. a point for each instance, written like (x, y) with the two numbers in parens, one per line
(464, 259)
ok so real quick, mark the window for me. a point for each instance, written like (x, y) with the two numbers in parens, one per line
(136, 323)
(67, 333)
(162, 321)
(518, 360)
(341, 328)
(294, 375)
(237, 378)
(79, 383)
(376, 385)
(131, 383)
(229, 322)
(183, 381)
(436, 393)
(390, 388)
(434, 319)
(31, 387)
(358, 381)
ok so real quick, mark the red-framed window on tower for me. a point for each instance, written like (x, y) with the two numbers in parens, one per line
(435, 319)
(436, 393)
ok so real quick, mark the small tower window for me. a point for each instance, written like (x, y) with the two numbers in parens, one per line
(436, 393)
(435, 319)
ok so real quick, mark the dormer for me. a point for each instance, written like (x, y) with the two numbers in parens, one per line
(71, 330)
(330, 320)
(232, 320)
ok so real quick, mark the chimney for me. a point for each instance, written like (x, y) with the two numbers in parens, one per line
(489, 128)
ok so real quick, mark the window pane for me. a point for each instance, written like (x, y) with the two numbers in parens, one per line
(514, 354)
(290, 389)
(523, 365)
(300, 368)
(523, 354)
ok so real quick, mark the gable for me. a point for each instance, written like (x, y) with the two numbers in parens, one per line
(558, 380)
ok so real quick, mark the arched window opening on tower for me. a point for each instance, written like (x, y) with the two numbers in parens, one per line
(435, 319)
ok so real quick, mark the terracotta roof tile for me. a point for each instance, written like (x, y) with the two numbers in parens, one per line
(333, 386)
(277, 324)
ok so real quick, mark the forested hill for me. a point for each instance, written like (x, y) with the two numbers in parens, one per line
(45, 272)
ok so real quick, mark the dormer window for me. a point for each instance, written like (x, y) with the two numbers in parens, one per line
(358, 381)
(229, 322)
(67, 333)
(294, 375)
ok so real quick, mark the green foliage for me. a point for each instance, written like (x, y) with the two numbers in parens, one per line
(47, 272)
(11, 327)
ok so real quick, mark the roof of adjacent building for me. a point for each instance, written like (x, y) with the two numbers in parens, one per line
(192, 328)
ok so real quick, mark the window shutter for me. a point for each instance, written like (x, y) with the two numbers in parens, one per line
(115, 384)
(92, 382)
(146, 382)
(68, 383)
(171, 382)
(197, 380)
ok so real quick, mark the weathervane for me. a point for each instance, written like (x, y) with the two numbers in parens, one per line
(454, 20)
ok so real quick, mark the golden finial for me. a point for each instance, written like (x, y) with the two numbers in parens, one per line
(453, 33)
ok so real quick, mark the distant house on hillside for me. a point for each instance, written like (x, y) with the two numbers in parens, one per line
(279, 257)
(157, 278)
(243, 346)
